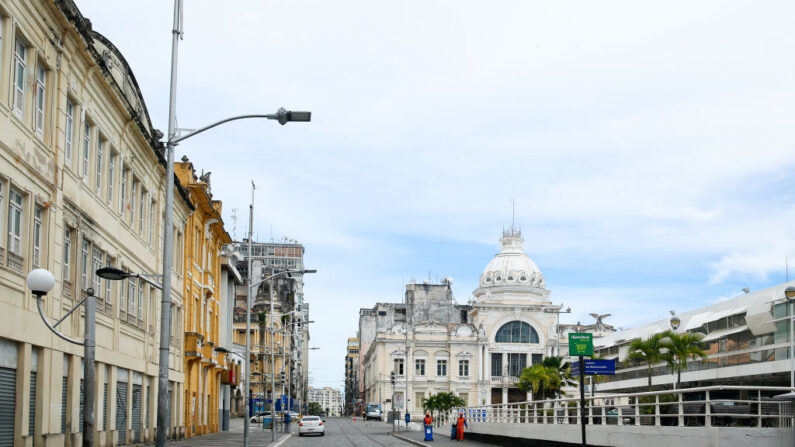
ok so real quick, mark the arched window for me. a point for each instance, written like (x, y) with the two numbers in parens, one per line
(517, 332)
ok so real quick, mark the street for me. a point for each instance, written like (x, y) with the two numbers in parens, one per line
(344, 432)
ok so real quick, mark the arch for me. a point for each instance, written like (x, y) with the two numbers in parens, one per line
(516, 332)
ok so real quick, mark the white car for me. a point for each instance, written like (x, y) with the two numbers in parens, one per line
(257, 418)
(311, 424)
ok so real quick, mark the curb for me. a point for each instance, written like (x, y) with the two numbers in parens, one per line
(410, 441)
(283, 440)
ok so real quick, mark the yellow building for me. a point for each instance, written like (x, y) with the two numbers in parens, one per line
(205, 359)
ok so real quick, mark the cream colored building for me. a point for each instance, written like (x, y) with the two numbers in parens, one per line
(330, 399)
(476, 351)
(81, 187)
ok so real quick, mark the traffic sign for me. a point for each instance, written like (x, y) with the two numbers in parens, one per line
(580, 344)
(595, 367)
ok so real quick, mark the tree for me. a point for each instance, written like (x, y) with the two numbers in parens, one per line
(442, 403)
(650, 350)
(563, 370)
(681, 348)
(314, 409)
(539, 379)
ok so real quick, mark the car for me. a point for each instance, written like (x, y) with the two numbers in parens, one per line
(373, 411)
(311, 425)
(257, 418)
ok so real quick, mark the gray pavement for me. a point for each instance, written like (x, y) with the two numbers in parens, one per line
(344, 432)
(234, 437)
(441, 437)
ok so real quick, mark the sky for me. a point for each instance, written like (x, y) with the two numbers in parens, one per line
(647, 146)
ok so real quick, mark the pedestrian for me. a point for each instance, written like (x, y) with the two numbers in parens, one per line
(427, 421)
(460, 424)
(287, 422)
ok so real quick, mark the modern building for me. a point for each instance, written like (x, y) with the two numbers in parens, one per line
(351, 376)
(286, 352)
(205, 358)
(82, 186)
(746, 340)
(330, 399)
(229, 281)
(476, 351)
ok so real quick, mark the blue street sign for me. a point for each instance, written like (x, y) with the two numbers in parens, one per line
(594, 367)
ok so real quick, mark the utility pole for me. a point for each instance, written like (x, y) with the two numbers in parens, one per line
(248, 320)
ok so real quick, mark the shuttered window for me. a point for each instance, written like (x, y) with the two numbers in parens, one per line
(67, 261)
(100, 148)
(15, 230)
(32, 413)
(64, 384)
(111, 176)
(41, 96)
(37, 212)
(70, 124)
(19, 77)
(84, 265)
(86, 149)
(8, 385)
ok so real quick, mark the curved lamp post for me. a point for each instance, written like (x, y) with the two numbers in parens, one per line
(557, 312)
(40, 282)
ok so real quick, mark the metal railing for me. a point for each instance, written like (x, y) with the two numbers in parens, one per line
(714, 406)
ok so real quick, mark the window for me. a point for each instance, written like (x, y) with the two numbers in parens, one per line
(122, 294)
(98, 185)
(70, 118)
(419, 367)
(131, 294)
(84, 265)
(132, 200)
(516, 363)
(463, 368)
(19, 77)
(496, 364)
(418, 398)
(141, 299)
(123, 197)
(141, 204)
(67, 261)
(538, 358)
(86, 149)
(108, 287)
(398, 367)
(463, 316)
(97, 264)
(15, 229)
(517, 332)
(441, 368)
(41, 82)
(37, 237)
(111, 175)
(151, 218)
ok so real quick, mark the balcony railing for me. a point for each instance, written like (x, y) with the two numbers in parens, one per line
(504, 379)
(704, 407)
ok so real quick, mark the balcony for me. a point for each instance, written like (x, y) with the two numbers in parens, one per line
(506, 380)
(207, 353)
(193, 344)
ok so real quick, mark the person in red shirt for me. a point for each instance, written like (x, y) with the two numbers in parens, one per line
(460, 424)
(428, 422)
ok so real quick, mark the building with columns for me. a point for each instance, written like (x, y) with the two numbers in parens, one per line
(476, 351)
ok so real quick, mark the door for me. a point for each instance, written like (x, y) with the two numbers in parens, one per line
(8, 389)
(496, 395)
(121, 412)
(32, 414)
(136, 413)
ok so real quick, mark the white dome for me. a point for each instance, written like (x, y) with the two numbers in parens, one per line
(512, 266)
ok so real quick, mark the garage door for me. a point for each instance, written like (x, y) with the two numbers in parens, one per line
(32, 414)
(136, 413)
(8, 387)
(121, 412)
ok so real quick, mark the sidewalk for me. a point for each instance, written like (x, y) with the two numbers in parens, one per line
(441, 437)
(256, 435)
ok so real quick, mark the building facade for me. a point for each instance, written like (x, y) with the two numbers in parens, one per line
(476, 351)
(330, 399)
(746, 340)
(205, 358)
(82, 183)
(351, 376)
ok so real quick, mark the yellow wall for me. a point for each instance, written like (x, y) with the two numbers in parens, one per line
(204, 238)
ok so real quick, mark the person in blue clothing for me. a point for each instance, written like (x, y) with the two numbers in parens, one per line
(287, 422)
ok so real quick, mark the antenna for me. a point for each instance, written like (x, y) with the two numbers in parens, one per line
(234, 224)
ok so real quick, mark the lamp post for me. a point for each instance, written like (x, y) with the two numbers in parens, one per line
(557, 313)
(282, 116)
(40, 282)
(789, 293)
(393, 379)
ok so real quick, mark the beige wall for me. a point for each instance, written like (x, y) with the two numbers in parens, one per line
(35, 166)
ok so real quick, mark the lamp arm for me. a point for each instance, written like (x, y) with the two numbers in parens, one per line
(176, 140)
(52, 328)
(69, 313)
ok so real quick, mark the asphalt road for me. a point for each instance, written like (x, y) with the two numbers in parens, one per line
(344, 432)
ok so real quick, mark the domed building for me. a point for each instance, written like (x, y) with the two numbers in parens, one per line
(514, 317)
(476, 351)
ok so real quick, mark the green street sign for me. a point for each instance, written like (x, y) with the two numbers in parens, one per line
(580, 344)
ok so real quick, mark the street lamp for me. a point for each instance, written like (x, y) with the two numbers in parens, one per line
(393, 379)
(252, 286)
(557, 313)
(282, 116)
(40, 282)
(789, 293)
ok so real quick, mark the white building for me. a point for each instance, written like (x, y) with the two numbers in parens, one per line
(330, 399)
(476, 351)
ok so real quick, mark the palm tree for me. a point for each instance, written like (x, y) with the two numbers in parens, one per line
(539, 379)
(650, 350)
(442, 403)
(563, 370)
(681, 348)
